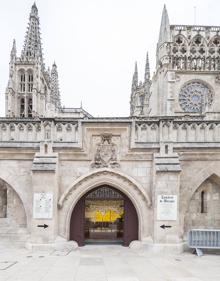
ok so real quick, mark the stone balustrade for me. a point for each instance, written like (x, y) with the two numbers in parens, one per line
(177, 131)
(152, 131)
(38, 130)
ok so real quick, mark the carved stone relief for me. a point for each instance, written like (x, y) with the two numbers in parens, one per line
(106, 153)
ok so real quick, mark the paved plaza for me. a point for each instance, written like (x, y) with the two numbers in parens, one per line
(106, 263)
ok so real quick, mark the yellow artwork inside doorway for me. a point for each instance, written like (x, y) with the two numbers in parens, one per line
(104, 210)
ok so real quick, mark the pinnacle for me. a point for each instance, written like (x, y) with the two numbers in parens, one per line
(136, 68)
(34, 9)
(13, 50)
(14, 45)
(164, 27)
(147, 61)
(147, 69)
(55, 93)
(135, 77)
(32, 49)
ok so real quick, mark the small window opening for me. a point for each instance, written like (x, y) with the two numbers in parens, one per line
(30, 107)
(204, 206)
(22, 108)
(3, 202)
(45, 148)
(22, 82)
(166, 149)
(30, 83)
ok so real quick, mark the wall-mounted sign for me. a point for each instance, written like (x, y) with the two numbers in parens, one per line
(167, 207)
(43, 205)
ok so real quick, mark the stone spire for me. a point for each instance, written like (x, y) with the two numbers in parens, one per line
(135, 78)
(147, 70)
(140, 93)
(164, 28)
(55, 92)
(32, 49)
(13, 51)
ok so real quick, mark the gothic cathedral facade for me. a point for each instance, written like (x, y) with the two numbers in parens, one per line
(68, 176)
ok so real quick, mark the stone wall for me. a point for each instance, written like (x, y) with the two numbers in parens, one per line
(204, 207)
(15, 209)
(115, 153)
(11, 206)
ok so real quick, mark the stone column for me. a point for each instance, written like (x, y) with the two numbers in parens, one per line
(44, 228)
(166, 186)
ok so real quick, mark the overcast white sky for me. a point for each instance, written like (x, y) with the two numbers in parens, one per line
(95, 44)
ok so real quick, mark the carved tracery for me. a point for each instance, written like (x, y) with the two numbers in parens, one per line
(197, 53)
(195, 97)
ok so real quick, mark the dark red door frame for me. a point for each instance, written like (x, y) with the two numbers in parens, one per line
(77, 222)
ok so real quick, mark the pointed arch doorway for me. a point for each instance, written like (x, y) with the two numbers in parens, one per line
(104, 215)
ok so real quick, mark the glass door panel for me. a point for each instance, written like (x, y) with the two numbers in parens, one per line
(104, 220)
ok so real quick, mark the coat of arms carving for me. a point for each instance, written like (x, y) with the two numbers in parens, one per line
(106, 153)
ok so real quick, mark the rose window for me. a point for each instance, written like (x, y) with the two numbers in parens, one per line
(195, 97)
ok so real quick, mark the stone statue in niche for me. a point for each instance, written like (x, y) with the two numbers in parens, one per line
(106, 153)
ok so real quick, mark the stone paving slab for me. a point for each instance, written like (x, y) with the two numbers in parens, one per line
(106, 263)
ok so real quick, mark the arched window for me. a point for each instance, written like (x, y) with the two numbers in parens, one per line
(22, 108)
(30, 107)
(30, 82)
(204, 207)
(22, 81)
(45, 148)
(141, 99)
(3, 201)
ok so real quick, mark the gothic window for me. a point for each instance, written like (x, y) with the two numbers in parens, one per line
(45, 148)
(216, 41)
(214, 52)
(141, 98)
(30, 82)
(22, 81)
(195, 97)
(3, 202)
(179, 51)
(204, 205)
(22, 107)
(198, 41)
(47, 132)
(179, 40)
(183, 50)
(30, 107)
(45, 89)
(28, 53)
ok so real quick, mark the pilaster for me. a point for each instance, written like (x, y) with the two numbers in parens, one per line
(166, 189)
(45, 196)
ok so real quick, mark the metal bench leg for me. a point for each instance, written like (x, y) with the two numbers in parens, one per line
(199, 252)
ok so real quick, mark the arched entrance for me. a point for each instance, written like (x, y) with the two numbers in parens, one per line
(104, 215)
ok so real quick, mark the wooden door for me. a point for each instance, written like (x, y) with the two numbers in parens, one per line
(130, 228)
(130, 222)
(77, 232)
